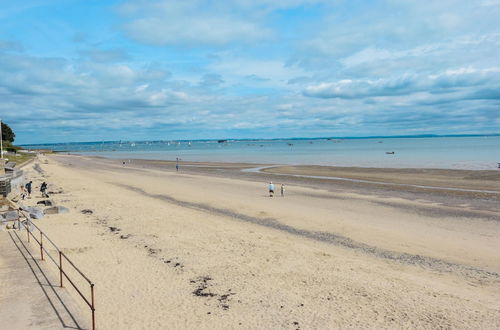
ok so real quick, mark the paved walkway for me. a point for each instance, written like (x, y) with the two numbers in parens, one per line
(29, 294)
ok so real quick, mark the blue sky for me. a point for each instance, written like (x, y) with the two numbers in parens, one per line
(136, 70)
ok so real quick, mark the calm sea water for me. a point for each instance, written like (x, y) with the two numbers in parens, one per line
(481, 152)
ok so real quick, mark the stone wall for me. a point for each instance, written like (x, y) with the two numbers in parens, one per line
(4, 185)
(11, 182)
(16, 181)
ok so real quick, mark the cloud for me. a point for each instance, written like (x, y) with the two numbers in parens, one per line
(200, 23)
(349, 89)
(40, 84)
(267, 73)
(8, 45)
(463, 79)
(191, 23)
(255, 78)
(106, 55)
(211, 80)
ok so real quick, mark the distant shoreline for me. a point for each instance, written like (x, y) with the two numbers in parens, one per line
(419, 136)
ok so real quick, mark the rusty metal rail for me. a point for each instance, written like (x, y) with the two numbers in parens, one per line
(89, 301)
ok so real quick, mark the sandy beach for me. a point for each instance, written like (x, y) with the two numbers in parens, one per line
(207, 248)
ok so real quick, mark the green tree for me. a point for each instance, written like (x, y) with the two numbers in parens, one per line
(7, 133)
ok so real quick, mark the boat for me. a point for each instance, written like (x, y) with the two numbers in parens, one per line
(389, 152)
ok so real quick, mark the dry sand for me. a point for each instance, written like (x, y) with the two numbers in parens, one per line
(206, 248)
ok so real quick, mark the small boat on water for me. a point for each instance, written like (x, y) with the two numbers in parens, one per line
(389, 152)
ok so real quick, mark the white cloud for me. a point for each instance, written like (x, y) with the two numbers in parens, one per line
(189, 23)
(271, 73)
(467, 79)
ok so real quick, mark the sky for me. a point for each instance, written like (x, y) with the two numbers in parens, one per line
(96, 70)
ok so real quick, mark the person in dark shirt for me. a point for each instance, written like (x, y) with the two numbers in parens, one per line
(28, 188)
(43, 189)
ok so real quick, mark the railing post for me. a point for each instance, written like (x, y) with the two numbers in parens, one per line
(60, 269)
(93, 308)
(41, 245)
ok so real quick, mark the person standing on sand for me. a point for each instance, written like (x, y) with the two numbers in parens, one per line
(271, 189)
(43, 189)
(28, 188)
(282, 190)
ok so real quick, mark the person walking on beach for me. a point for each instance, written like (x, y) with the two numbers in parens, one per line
(43, 189)
(28, 188)
(177, 164)
(271, 189)
(282, 190)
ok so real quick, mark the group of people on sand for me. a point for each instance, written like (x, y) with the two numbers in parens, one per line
(27, 188)
(271, 189)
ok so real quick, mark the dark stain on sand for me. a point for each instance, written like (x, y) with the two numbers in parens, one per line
(203, 290)
(336, 239)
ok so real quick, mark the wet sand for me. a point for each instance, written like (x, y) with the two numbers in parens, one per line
(206, 247)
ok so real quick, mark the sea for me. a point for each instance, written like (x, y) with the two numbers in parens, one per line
(450, 152)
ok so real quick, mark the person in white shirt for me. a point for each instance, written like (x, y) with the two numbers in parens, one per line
(271, 189)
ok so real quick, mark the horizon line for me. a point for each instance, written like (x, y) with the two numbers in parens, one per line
(272, 139)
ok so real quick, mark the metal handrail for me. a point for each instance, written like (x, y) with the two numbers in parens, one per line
(40, 242)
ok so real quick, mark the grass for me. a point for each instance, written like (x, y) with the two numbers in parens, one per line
(20, 158)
